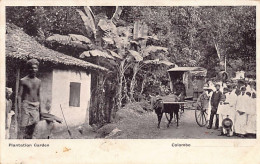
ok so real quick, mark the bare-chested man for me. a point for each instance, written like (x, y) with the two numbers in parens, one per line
(29, 101)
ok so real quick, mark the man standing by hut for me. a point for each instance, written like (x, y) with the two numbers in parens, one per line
(29, 101)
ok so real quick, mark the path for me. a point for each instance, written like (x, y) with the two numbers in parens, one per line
(146, 128)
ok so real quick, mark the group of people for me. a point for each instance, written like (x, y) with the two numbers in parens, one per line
(233, 106)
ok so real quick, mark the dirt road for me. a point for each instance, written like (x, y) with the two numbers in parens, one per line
(146, 128)
(188, 128)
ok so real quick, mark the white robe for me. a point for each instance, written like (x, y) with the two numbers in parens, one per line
(240, 124)
(209, 109)
(9, 120)
(222, 106)
(227, 110)
(250, 89)
(233, 99)
(251, 117)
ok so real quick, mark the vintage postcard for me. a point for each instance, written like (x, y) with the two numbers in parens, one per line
(129, 82)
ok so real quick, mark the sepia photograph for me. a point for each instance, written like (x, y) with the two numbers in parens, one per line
(130, 72)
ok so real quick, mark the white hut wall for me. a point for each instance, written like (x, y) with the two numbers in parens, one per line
(46, 78)
(71, 90)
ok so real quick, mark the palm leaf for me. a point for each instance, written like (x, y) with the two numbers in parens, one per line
(158, 62)
(166, 63)
(134, 42)
(78, 44)
(80, 38)
(145, 38)
(73, 40)
(150, 49)
(154, 37)
(89, 12)
(63, 39)
(115, 54)
(108, 27)
(116, 15)
(138, 57)
(110, 64)
(85, 54)
(123, 31)
(121, 42)
(96, 53)
(108, 40)
(103, 24)
(155, 61)
(88, 21)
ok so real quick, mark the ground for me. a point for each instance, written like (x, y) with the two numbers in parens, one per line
(144, 126)
(132, 122)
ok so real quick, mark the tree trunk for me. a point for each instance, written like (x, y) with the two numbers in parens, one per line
(125, 92)
(97, 101)
(101, 97)
(133, 81)
(110, 90)
(120, 77)
(119, 92)
(16, 102)
(93, 108)
(143, 84)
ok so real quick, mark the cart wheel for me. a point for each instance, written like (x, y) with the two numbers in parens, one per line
(200, 117)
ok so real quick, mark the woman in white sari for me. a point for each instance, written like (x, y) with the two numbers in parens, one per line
(251, 114)
(227, 109)
(241, 113)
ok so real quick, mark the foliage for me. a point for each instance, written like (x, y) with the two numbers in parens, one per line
(189, 33)
(193, 35)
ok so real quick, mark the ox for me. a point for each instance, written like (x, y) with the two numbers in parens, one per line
(171, 109)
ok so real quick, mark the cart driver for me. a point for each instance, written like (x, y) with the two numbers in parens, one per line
(179, 90)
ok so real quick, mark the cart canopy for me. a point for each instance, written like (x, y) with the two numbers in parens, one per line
(192, 77)
(197, 71)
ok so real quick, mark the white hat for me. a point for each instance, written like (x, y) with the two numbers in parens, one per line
(206, 86)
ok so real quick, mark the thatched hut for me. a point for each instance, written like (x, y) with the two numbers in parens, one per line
(65, 80)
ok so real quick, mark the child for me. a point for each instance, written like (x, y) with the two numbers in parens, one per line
(204, 98)
(8, 112)
(222, 107)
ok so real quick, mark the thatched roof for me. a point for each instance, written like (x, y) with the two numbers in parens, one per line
(21, 46)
